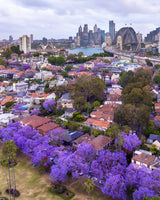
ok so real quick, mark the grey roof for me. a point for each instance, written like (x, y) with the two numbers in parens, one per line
(154, 137)
(65, 96)
(21, 94)
(72, 136)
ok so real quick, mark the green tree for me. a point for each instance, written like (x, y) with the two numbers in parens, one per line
(3, 62)
(64, 74)
(148, 62)
(56, 60)
(86, 129)
(47, 89)
(126, 78)
(113, 131)
(89, 186)
(68, 68)
(87, 89)
(15, 49)
(157, 79)
(95, 104)
(153, 198)
(8, 161)
(137, 118)
(107, 61)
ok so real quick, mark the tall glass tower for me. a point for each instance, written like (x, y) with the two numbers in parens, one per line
(112, 30)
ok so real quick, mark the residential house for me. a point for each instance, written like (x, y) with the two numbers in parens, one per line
(69, 112)
(83, 138)
(14, 57)
(71, 136)
(157, 144)
(47, 127)
(10, 73)
(34, 121)
(65, 101)
(2, 86)
(7, 118)
(44, 75)
(152, 138)
(157, 108)
(104, 112)
(6, 99)
(51, 96)
(145, 159)
(20, 86)
(2, 67)
(79, 74)
(39, 97)
(101, 142)
(97, 124)
(89, 65)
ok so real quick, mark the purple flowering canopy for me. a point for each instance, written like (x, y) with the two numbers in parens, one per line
(109, 168)
(49, 105)
(130, 142)
(25, 67)
(18, 109)
(35, 112)
(27, 55)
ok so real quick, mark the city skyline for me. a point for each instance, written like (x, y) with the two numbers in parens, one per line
(61, 19)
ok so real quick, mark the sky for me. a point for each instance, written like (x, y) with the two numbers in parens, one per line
(61, 18)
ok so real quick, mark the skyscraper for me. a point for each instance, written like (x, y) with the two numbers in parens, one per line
(112, 30)
(95, 28)
(25, 44)
(10, 38)
(31, 36)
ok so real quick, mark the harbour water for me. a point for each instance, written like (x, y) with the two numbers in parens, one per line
(86, 51)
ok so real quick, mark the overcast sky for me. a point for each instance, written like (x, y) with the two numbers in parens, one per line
(61, 18)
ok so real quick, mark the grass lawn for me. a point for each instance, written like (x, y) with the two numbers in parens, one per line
(31, 184)
(80, 194)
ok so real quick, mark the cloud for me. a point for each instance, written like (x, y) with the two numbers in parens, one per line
(61, 18)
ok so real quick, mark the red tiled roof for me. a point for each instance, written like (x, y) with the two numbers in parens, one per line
(98, 123)
(2, 67)
(48, 127)
(35, 121)
(12, 70)
(144, 158)
(6, 100)
(100, 142)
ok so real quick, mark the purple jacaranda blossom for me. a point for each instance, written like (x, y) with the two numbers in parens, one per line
(49, 105)
(115, 187)
(35, 112)
(18, 109)
(26, 66)
(130, 142)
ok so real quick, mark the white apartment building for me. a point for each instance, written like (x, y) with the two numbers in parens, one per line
(25, 44)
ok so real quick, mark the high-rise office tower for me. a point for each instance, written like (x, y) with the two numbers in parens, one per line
(84, 42)
(80, 30)
(31, 36)
(102, 36)
(112, 29)
(25, 44)
(10, 38)
(95, 28)
(85, 28)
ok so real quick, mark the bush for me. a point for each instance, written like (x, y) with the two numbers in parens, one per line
(59, 189)
(96, 132)
(14, 193)
(86, 129)
(63, 195)
(3, 198)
